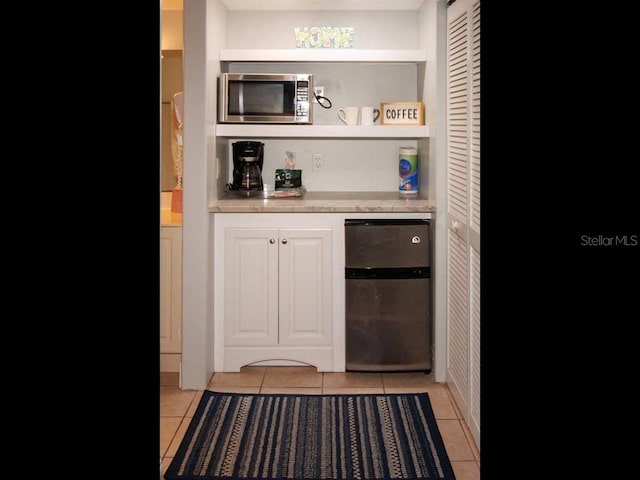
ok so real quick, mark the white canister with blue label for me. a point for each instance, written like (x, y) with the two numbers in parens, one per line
(408, 169)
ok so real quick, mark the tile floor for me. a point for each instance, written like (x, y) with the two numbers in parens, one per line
(177, 406)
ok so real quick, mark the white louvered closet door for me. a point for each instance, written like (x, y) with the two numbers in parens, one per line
(463, 200)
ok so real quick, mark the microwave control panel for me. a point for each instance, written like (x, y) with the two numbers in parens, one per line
(302, 101)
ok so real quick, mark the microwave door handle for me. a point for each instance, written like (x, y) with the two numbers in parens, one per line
(241, 98)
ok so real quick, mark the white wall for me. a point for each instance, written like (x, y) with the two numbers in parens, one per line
(373, 29)
(349, 165)
(359, 165)
(203, 19)
(432, 18)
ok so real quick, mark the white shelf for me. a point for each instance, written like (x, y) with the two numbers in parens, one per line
(323, 55)
(322, 131)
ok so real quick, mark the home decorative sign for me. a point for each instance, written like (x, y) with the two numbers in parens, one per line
(402, 113)
(324, 37)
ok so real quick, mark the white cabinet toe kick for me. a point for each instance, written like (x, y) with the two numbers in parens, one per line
(319, 357)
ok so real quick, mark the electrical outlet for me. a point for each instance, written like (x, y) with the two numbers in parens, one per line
(319, 91)
(317, 161)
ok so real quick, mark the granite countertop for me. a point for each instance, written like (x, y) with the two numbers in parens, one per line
(169, 218)
(326, 202)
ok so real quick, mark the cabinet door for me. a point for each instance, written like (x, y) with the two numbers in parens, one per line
(305, 287)
(251, 286)
(170, 289)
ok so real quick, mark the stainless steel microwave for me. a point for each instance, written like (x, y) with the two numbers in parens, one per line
(265, 98)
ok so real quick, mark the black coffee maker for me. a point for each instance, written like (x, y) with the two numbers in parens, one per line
(247, 166)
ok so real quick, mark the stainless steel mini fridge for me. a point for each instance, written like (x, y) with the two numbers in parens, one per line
(388, 295)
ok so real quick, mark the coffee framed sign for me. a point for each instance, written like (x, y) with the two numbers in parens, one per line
(402, 113)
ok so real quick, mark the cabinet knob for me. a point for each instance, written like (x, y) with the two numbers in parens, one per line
(272, 241)
(284, 241)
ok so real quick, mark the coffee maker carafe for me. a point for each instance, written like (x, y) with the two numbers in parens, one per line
(247, 165)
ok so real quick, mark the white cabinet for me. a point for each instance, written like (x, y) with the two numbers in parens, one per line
(251, 286)
(278, 299)
(170, 298)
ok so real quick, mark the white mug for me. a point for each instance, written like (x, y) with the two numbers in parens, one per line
(349, 115)
(369, 115)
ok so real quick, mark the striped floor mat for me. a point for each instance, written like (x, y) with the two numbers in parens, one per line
(305, 437)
